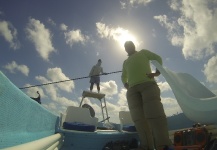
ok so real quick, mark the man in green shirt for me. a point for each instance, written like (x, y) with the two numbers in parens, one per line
(143, 97)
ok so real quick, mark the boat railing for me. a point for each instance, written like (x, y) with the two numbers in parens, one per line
(49, 143)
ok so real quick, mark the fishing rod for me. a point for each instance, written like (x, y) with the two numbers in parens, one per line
(66, 80)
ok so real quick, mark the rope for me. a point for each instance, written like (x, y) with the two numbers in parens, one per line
(65, 80)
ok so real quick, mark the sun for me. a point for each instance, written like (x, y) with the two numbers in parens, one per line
(123, 35)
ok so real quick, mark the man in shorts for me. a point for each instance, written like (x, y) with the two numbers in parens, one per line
(95, 75)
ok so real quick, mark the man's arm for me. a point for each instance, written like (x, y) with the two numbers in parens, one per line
(91, 71)
(101, 70)
(153, 56)
(103, 73)
(124, 78)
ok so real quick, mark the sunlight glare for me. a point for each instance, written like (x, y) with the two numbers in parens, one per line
(124, 35)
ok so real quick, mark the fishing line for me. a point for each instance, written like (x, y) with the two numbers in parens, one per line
(66, 80)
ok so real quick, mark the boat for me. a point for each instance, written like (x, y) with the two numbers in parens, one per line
(79, 125)
(27, 125)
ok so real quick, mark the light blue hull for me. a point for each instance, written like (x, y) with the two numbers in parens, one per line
(24, 121)
(94, 140)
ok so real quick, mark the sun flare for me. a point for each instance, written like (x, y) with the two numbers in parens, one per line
(124, 35)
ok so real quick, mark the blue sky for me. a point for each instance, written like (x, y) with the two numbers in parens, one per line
(47, 41)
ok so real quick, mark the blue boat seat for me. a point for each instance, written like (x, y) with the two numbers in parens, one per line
(129, 128)
(78, 126)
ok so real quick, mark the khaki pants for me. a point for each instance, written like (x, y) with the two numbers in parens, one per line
(148, 115)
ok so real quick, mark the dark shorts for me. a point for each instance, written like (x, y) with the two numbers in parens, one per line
(95, 79)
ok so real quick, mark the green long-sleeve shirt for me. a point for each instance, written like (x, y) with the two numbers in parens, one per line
(136, 66)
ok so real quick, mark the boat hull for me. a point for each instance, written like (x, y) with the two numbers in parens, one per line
(76, 140)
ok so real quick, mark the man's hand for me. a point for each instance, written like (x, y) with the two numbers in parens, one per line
(152, 75)
(126, 85)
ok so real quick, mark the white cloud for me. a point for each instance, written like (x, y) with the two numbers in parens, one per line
(133, 3)
(145, 2)
(194, 28)
(120, 35)
(32, 92)
(109, 88)
(9, 33)
(51, 90)
(122, 100)
(14, 66)
(57, 103)
(41, 38)
(210, 70)
(123, 5)
(171, 106)
(56, 74)
(65, 102)
(51, 22)
(113, 112)
(174, 4)
(75, 36)
(63, 27)
(164, 86)
(52, 107)
(103, 30)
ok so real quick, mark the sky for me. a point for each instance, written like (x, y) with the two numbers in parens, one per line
(50, 40)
